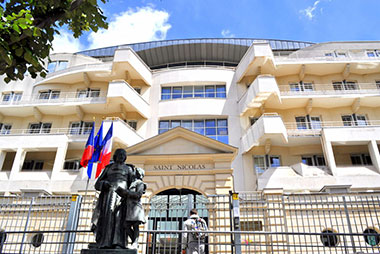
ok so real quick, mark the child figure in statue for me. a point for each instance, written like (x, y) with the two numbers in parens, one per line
(133, 209)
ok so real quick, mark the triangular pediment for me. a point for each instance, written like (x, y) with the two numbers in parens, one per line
(180, 141)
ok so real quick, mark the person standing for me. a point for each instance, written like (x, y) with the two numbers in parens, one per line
(194, 241)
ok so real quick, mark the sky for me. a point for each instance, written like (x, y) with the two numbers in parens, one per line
(132, 21)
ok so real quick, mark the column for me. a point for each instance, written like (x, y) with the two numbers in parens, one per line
(59, 160)
(17, 163)
(374, 153)
(2, 158)
(329, 155)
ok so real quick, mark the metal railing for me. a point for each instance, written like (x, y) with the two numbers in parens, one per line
(314, 128)
(327, 55)
(267, 223)
(61, 98)
(328, 89)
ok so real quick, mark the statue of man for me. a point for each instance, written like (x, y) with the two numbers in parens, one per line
(108, 216)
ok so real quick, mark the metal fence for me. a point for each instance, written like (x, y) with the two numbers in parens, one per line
(248, 223)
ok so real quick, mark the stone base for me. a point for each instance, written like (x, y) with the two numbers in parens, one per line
(108, 251)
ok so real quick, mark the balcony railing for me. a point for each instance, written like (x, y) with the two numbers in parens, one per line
(328, 89)
(314, 129)
(326, 55)
(62, 98)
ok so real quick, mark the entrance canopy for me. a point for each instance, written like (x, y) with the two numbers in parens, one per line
(180, 158)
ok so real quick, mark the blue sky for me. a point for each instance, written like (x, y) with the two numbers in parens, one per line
(305, 20)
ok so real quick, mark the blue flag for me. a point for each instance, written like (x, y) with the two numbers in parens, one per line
(98, 140)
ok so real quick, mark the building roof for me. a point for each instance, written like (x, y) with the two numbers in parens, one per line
(214, 51)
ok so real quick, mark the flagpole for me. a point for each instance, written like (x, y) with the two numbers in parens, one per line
(85, 193)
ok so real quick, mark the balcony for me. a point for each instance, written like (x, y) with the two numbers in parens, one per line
(295, 129)
(63, 97)
(122, 93)
(330, 89)
(53, 137)
(269, 126)
(75, 74)
(258, 92)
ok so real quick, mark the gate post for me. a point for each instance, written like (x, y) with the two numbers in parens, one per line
(236, 220)
(72, 224)
(26, 224)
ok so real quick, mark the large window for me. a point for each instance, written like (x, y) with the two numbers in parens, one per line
(33, 165)
(48, 95)
(12, 96)
(308, 122)
(301, 87)
(79, 128)
(345, 85)
(204, 91)
(361, 159)
(89, 92)
(313, 160)
(354, 120)
(373, 53)
(57, 66)
(213, 128)
(71, 165)
(263, 162)
(38, 128)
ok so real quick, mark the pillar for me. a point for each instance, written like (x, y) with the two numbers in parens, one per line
(17, 163)
(2, 158)
(329, 155)
(59, 160)
(374, 153)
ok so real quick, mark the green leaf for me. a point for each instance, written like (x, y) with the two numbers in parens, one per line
(19, 51)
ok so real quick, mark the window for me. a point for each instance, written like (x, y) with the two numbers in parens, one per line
(213, 128)
(37, 128)
(50, 94)
(137, 89)
(336, 54)
(301, 122)
(5, 129)
(378, 84)
(81, 128)
(37, 240)
(261, 162)
(89, 92)
(57, 66)
(301, 87)
(33, 165)
(72, 165)
(354, 120)
(12, 96)
(361, 159)
(345, 85)
(179, 92)
(313, 160)
(315, 123)
(329, 238)
(132, 123)
(373, 53)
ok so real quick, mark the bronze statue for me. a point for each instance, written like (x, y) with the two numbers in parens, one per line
(118, 210)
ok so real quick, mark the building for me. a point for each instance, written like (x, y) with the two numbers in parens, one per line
(207, 115)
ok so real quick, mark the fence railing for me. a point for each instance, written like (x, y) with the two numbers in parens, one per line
(61, 98)
(314, 128)
(268, 223)
(330, 89)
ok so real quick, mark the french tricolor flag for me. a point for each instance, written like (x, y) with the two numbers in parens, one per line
(89, 150)
(105, 155)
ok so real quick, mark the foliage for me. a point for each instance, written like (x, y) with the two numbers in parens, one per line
(27, 30)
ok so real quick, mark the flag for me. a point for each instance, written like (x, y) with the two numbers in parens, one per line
(89, 149)
(105, 155)
(98, 140)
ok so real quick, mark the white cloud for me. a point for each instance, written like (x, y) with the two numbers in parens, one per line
(66, 43)
(227, 33)
(134, 25)
(309, 11)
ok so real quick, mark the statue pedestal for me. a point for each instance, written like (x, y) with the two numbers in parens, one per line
(108, 251)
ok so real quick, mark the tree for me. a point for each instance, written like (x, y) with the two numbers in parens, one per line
(27, 30)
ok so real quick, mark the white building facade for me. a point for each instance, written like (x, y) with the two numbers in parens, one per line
(210, 115)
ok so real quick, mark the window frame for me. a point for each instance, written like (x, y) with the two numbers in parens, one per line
(193, 91)
(34, 164)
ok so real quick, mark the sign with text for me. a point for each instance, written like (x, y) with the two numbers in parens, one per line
(178, 166)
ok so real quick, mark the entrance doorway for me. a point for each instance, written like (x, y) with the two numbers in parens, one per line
(168, 211)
